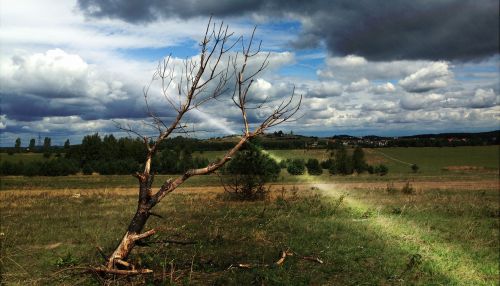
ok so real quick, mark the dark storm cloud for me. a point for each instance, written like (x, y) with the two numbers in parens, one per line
(30, 107)
(33, 107)
(376, 30)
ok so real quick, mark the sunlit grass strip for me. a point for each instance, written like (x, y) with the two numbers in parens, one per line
(444, 258)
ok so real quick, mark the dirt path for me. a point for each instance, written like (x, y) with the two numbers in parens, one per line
(456, 185)
(390, 157)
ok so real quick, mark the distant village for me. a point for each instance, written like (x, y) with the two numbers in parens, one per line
(372, 141)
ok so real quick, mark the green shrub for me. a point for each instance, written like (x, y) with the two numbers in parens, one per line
(327, 164)
(358, 160)
(313, 167)
(381, 169)
(248, 172)
(343, 163)
(87, 169)
(296, 167)
(414, 168)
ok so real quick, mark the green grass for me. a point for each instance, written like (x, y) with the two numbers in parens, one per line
(364, 237)
(25, 157)
(434, 160)
(431, 160)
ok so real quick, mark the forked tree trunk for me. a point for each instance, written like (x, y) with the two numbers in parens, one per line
(133, 233)
(147, 200)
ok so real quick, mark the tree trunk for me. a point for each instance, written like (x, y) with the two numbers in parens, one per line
(136, 225)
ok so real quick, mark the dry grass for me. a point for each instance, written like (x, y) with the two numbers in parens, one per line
(364, 235)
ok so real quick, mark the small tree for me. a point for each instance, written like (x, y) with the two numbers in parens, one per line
(414, 168)
(248, 172)
(46, 147)
(342, 163)
(327, 164)
(17, 145)
(358, 160)
(32, 144)
(313, 167)
(296, 167)
(381, 169)
(66, 145)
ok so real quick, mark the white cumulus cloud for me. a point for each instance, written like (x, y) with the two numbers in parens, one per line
(436, 75)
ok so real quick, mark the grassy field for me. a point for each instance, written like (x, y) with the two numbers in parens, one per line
(431, 160)
(436, 164)
(434, 160)
(445, 233)
(26, 157)
(363, 236)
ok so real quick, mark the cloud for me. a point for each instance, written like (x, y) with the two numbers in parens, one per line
(353, 68)
(57, 74)
(56, 83)
(436, 75)
(435, 30)
(420, 101)
(325, 89)
(383, 88)
(483, 98)
(358, 85)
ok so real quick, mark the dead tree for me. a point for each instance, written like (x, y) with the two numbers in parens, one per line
(200, 81)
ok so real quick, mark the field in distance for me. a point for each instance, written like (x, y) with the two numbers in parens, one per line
(435, 164)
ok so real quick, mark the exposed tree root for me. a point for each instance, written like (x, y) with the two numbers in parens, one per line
(314, 259)
(104, 270)
(284, 254)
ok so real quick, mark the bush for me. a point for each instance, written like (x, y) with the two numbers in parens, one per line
(370, 169)
(11, 169)
(248, 172)
(343, 164)
(59, 167)
(313, 167)
(414, 168)
(32, 169)
(87, 169)
(296, 167)
(381, 169)
(327, 164)
(358, 160)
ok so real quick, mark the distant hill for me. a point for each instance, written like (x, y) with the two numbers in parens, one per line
(484, 135)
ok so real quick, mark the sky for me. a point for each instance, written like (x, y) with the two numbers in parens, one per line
(388, 68)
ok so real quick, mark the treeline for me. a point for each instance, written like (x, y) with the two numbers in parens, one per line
(339, 163)
(108, 156)
(52, 167)
(442, 142)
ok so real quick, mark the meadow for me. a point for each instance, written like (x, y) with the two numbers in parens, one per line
(439, 226)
